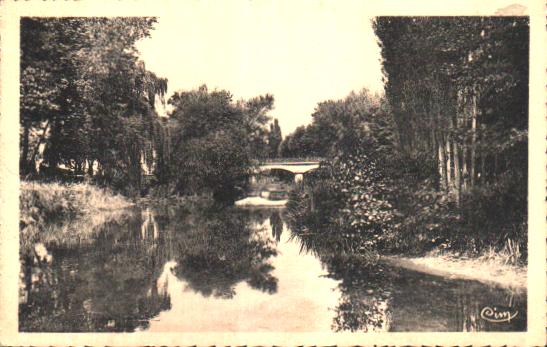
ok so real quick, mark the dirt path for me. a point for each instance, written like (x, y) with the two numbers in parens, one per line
(469, 269)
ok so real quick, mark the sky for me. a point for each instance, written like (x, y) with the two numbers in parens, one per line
(302, 54)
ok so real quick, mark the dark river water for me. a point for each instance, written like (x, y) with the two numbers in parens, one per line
(192, 269)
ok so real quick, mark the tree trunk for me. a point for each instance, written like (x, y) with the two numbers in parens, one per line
(449, 181)
(482, 172)
(457, 173)
(23, 160)
(473, 138)
(90, 167)
(465, 172)
(442, 167)
(41, 140)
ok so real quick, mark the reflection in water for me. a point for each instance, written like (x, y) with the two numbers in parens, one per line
(103, 287)
(115, 284)
(366, 295)
(219, 250)
(378, 297)
(364, 286)
(197, 269)
(276, 224)
(149, 227)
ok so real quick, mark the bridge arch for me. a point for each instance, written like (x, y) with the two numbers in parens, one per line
(296, 167)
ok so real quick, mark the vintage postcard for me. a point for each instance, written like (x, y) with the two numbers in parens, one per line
(260, 172)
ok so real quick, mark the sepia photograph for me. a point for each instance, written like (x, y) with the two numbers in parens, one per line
(215, 169)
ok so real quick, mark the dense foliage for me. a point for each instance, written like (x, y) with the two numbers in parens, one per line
(458, 88)
(348, 195)
(87, 103)
(446, 165)
(213, 139)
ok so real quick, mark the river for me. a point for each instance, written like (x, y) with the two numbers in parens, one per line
(193, 269)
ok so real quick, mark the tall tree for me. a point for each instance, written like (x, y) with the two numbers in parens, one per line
(274, 138)
(214, 141)
(456, 86)
(458, 90)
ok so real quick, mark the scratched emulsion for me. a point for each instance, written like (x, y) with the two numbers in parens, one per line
(239, 270)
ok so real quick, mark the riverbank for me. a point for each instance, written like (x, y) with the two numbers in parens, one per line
(485, 269)
(257, 201)
(73, 209)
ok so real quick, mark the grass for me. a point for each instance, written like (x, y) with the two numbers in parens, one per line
(503, 267)
(509, 255)
(59, 200)
(61, 212)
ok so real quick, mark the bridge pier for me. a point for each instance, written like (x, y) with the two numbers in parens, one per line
(298, 177)
(252, 179)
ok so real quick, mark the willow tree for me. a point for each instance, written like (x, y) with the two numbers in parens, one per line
(86, 95)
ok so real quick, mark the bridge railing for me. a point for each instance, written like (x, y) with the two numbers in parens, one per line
(284, 160)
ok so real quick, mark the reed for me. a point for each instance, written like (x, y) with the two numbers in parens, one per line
(73, 206)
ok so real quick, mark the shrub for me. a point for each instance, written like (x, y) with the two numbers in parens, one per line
(43, 204)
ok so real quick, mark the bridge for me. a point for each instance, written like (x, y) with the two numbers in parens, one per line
(296, 166)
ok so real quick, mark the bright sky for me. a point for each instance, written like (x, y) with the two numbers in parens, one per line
(302, 54)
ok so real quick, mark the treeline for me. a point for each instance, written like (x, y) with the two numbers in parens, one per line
(88, 109)
(458, 88)
(459, 92)
(336, 125)
(444, 165)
